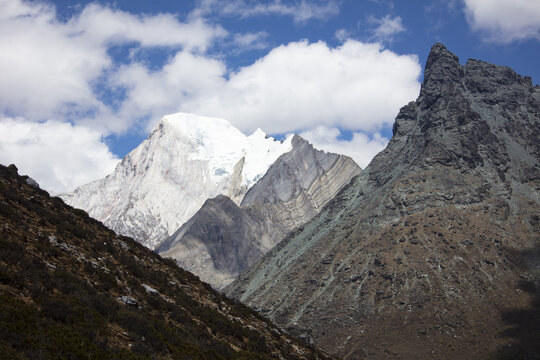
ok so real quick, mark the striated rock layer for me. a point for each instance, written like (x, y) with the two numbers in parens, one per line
(186, 159)
(433, 251)
(223, 239)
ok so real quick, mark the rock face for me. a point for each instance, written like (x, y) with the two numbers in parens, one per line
(186, 160)
(222, 239)
(431, 252)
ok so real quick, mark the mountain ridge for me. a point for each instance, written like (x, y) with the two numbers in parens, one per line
(222, 239)
(186, 159)
(429, 236)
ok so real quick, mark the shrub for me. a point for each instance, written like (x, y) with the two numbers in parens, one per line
(133, 322)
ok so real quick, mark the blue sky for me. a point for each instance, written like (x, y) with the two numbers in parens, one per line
(82, 83)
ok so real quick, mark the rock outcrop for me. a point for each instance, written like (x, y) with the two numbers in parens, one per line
(222, 239)
(431, 252)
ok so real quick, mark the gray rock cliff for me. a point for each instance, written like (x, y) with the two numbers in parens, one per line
(426, 252)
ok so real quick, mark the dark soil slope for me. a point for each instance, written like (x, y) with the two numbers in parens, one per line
(72, 289)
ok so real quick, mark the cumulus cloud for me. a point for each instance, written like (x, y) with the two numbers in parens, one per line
(361, 147)
(300, 10)
(152, 94)
(103, 25)
(45, 66)
(296, 86)
(59, 156)
(56, 69)
(504, 21)
(386, 28)
(50, 67)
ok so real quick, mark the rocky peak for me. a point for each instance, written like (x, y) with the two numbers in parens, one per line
(474, 106)
(427, 235)
(300, 172)
(441, 63)
(441, 73)
(502, 75)
(298, 141)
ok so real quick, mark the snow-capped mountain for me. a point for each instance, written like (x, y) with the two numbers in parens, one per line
(186, 160)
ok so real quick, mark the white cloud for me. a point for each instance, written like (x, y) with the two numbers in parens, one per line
(150, 95)
(45, 66)
(301, 85)
(59, 156)
(360, 147)
(248, 41)
(296, 86)
(342, 35)
(49, 67)
(504, 21)
(386, 28)
(103, 25)
(300, 10)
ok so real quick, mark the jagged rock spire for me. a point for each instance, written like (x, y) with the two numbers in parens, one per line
(441, 74)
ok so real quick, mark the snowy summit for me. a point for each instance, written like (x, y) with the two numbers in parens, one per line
(186, 160)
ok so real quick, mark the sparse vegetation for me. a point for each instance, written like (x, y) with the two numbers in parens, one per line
(62, 279)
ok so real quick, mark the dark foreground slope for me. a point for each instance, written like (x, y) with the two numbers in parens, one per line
(72, 289)
(433, 251)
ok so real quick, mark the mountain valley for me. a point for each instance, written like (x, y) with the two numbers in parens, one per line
(215, 200)
(431, 252)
